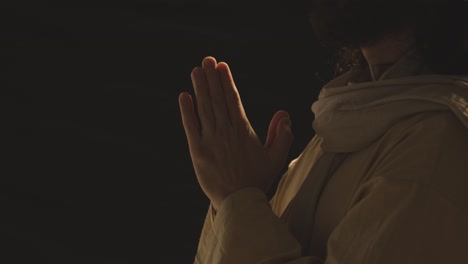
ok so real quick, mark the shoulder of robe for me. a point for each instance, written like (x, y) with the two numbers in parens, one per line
(431, 149)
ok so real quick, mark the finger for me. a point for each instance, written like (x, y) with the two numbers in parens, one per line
(273, 127)
(218, 98)
(282, 143)
(205, 110)
(233, 100)
(189, 120)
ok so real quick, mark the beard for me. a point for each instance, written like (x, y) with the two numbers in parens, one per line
(352, 23)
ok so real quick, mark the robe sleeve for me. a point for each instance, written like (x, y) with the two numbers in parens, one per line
(396, 222)
(246, 230)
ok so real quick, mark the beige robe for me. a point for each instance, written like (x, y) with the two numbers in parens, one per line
(384, 180)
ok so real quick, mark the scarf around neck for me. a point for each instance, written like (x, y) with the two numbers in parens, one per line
(349, 116)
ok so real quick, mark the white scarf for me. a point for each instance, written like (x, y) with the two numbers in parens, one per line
(350, 116)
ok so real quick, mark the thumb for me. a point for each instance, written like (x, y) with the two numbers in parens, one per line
(272, 129)
(282, 143)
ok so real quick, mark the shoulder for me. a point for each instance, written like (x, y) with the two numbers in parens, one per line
(429, 149)
(432, 125)
(441, 122)
(429, 131)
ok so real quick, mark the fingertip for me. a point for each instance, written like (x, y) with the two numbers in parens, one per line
(285, 126)
(282, 114)
(222, 66)
(287, 122)
(209, 61)
(184, 97)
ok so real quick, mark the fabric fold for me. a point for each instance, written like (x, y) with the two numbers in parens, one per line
(348, 118)
(306, 200)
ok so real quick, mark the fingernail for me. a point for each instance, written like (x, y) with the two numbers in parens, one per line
(198, 72)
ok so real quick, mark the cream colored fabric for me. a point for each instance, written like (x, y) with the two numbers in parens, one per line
(400, 195)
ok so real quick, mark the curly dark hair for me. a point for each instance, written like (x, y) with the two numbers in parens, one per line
(440, 29)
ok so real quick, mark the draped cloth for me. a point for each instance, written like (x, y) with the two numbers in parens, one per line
(306, 200)
(350, 116)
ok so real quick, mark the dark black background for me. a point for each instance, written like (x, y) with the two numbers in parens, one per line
(95, 165)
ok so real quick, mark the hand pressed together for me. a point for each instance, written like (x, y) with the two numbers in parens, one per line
(226, 153)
